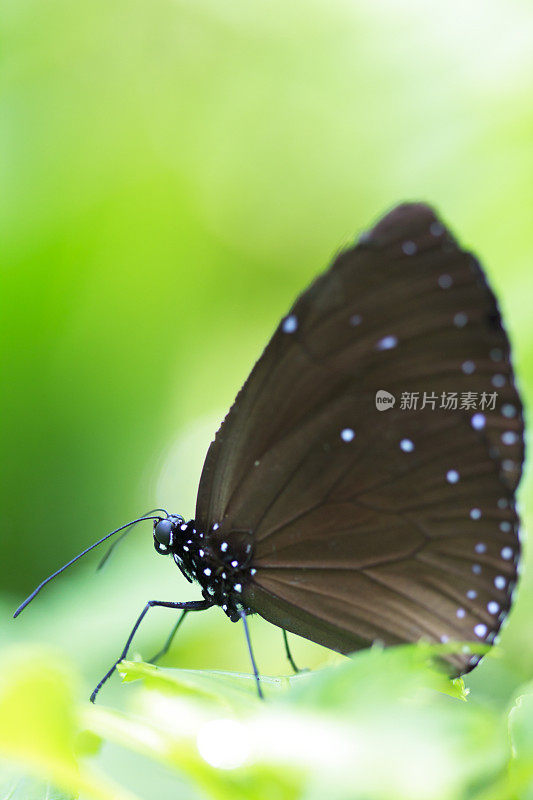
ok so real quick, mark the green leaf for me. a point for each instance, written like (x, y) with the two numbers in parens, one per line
(22, 787)
(226, 688)
(321, 728)
(175, 732)
(385, 674)
(39, 726)
(521, 735)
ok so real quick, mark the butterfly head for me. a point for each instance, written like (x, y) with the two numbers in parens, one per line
(166, 533)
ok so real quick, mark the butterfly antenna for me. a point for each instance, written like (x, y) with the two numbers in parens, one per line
(73, 561)
(121, 537)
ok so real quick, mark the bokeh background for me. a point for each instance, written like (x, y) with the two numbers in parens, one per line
(173, 174)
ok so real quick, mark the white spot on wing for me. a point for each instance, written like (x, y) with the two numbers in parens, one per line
(290, 324)
(478, 422)
(436, 229)
(409, 248)
(387, 343)
(505, 526)
(407, 446)
(347, 435)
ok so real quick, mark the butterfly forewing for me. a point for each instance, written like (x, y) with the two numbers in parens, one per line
(369, 524)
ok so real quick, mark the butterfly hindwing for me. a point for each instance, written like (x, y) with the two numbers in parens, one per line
(369, 524)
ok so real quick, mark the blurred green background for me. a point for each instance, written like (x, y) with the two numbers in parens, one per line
(173, 174)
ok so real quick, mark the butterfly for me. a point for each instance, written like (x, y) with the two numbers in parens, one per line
(361, 488)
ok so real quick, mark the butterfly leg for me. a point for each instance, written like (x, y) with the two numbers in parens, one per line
(252, 659)
(168, 642)
(193, 605)
(288, 651)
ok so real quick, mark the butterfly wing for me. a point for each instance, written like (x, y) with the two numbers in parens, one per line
(369, 524)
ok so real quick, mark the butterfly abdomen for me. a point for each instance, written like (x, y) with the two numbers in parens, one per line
(214, 564)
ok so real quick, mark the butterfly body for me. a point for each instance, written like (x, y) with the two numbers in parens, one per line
(221, 570)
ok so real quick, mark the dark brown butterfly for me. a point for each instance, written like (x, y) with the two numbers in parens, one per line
(361, 487)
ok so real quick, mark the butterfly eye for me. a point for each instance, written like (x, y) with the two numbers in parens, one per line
(163, 532)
